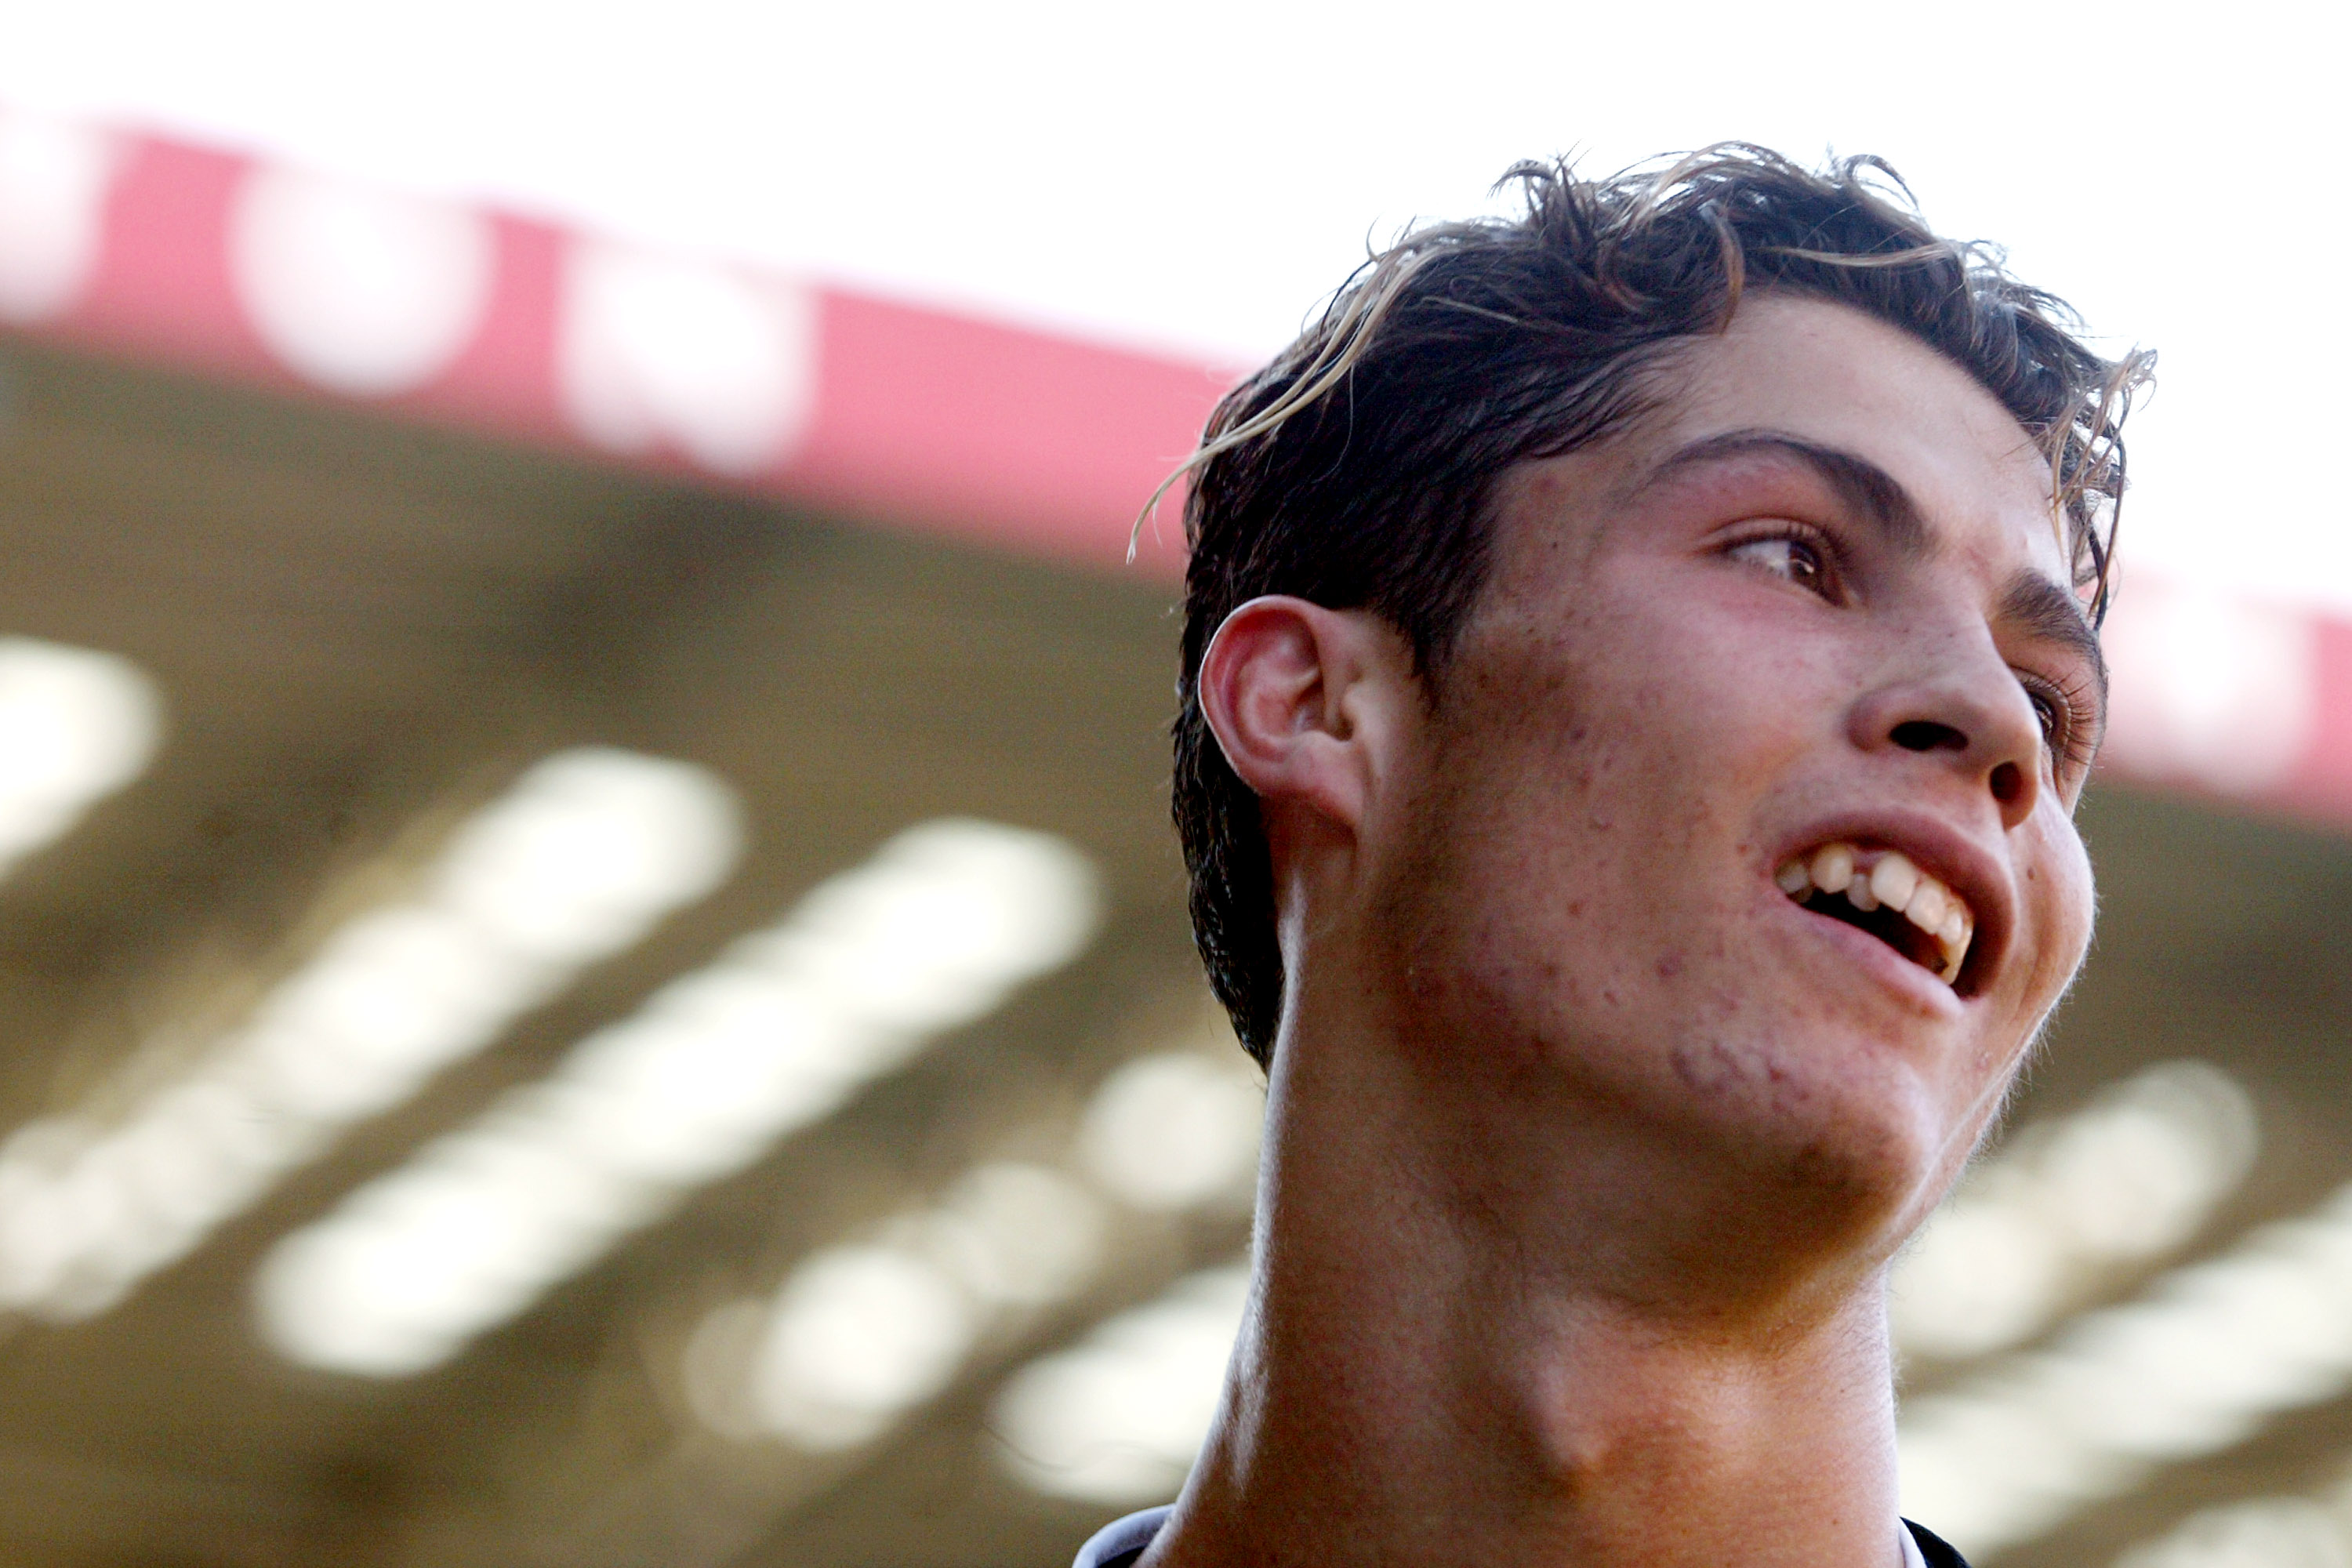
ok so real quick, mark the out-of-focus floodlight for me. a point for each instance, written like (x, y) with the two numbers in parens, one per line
(711, 1074)
(577, 862)
(1119, 1417)
(860, 1334)
(654, 349)
(75, 725)
(2211, 687)
(862, 1331)
(2195, 1365)
(1174, 1130)
(365, 291)
(54, 179)
(2130, 1177)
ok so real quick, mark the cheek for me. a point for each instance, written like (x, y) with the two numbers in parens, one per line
(2059, 890)
(1622, 689)
(1626, 751)
(1583, 839)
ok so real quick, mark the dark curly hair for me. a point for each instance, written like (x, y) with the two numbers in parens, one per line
(1357, 471)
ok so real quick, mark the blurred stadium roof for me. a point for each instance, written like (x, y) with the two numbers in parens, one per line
(589, 917)
(1193, 176)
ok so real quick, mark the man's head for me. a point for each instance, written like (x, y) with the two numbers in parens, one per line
(1713, 520)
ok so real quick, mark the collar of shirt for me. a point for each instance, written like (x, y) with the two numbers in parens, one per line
(1118, 1544)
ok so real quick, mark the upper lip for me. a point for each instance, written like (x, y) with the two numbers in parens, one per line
(1945, 852)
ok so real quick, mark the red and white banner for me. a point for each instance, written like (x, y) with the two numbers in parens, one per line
(925, 419)
(283, 278)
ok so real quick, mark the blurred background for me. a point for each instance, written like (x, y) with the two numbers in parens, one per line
(592, 966)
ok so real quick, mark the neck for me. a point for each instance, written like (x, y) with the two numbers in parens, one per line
(1442, 1366)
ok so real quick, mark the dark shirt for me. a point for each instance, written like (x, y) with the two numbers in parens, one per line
(1118, 1544)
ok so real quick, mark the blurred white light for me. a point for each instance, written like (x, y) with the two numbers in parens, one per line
(1174, 1129)
(570, 862)
(2131, 1176)
(859, 1334)
(75, 725)
(1013, 1235)
(618, 840)
(2195, 1365)
(1119, 1417)
(711, 1074)
(366, 291)
(2210, 688)
(54, 180)
(2272, 1532)
(655, 348)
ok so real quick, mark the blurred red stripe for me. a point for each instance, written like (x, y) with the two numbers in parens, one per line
(923, 419)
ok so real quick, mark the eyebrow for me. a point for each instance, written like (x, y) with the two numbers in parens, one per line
(2033, 603)
(1864, 487)
(2048, 612)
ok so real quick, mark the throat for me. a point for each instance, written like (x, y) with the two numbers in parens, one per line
(1735, 1447)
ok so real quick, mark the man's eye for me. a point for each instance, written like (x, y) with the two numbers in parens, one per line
(2059, 710)
(1792, 559)
(2052, 716)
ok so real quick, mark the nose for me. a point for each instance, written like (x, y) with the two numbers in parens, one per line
(1961, 708)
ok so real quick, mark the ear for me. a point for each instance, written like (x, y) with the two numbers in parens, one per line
(1307, 703)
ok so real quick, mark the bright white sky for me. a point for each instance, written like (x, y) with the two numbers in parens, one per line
(1197, 175)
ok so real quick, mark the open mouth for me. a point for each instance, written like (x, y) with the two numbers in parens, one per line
(1882, 892)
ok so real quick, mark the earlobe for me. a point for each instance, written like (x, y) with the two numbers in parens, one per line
(1298, 698)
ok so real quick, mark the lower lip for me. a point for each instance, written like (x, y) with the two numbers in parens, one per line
(1882, 961)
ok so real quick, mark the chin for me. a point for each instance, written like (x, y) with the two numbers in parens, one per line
(1841, 1148)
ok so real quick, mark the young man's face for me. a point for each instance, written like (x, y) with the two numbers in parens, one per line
(1815, 616)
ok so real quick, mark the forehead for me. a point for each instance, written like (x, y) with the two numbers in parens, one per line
(1835, 377)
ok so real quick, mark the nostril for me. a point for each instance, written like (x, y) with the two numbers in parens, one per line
(1927, 735)
(2007, 782)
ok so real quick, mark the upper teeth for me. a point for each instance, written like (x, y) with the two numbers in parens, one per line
(1889, 878)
